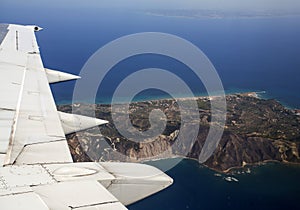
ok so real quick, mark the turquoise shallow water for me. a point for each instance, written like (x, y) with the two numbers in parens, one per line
(249, 55)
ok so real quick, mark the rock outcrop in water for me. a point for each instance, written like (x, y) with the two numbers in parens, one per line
(256, 130)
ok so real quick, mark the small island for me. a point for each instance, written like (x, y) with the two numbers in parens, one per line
(256, 131)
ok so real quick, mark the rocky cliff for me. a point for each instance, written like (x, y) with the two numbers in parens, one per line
(256, 130)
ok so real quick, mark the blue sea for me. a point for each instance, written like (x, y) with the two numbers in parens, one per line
(272, 186)
(253, 54)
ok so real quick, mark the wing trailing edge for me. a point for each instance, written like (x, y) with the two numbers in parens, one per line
(85, 185)
(38, 172)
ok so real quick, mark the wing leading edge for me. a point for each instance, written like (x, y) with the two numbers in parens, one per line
(37, 169)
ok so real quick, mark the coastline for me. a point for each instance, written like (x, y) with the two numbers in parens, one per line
(107, 101)
(229, 171)
(257, 94)
(237, 134)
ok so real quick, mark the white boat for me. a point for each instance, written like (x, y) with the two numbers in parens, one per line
(230, 179)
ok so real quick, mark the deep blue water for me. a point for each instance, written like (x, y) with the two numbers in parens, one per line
(272, 186)
(249, 55)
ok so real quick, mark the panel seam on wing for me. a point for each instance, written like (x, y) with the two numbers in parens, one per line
(15, 121)
(96, 204)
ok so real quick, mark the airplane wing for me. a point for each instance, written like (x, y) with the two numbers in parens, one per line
(28, 114)
(37, 168)
(30, 124)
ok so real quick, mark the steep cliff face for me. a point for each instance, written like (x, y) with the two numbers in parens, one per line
(256, 130)
(236, 151)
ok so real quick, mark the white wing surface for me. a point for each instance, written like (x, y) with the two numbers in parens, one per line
(36, 167)
(28, 114)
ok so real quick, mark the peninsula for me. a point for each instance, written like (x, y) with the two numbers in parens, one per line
(256, 131)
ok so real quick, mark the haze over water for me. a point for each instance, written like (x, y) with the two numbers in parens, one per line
(250, 54)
